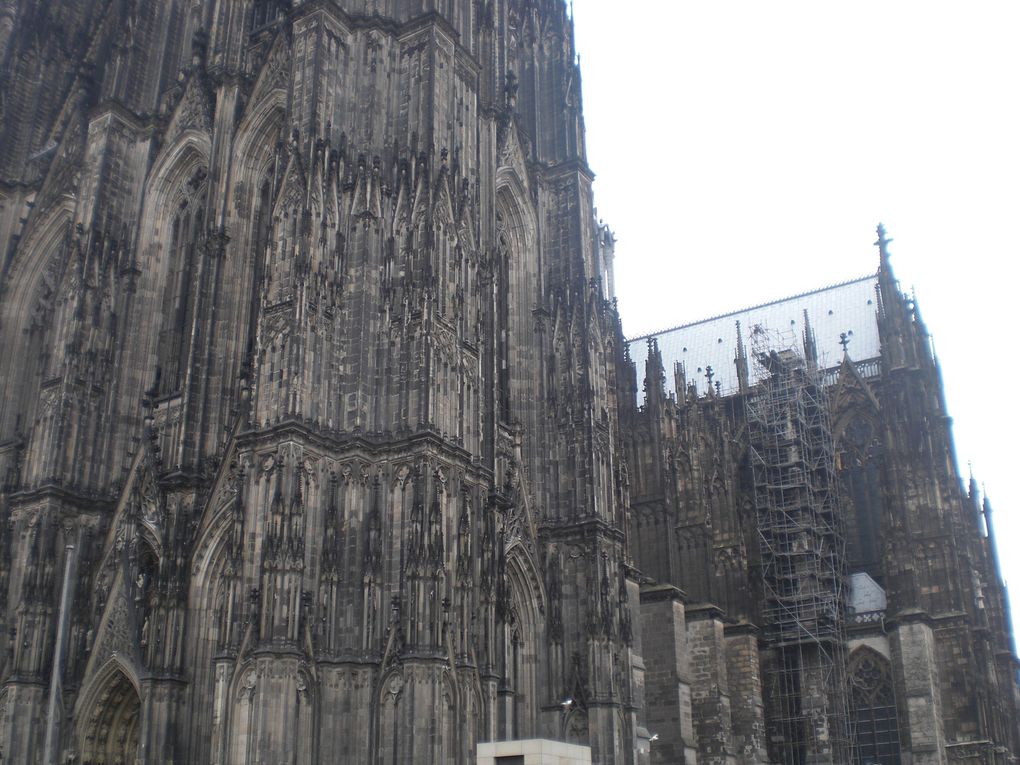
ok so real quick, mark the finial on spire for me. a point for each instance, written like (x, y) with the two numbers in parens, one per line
(680, 381)
(882, 243)
(986, 511)
(844, 339)
(741, 362)
(810, 346)
(972, 485)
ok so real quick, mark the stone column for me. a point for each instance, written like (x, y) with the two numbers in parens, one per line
(710, 692)
(667, 676)
(161, 698)
(221, 707)
(23, 721)
(743, 668)
(917, 680)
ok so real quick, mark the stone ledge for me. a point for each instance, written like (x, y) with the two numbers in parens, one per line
(655, 593)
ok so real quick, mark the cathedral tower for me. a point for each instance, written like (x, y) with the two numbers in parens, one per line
(320, 440)
(315, 395)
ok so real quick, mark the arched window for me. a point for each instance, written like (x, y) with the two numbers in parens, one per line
(517, 294)
(261, 231)
(186, 233)
(873, 710)
(504, 250)
(858, 460)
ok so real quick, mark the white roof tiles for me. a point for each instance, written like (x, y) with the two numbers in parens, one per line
(849, 307)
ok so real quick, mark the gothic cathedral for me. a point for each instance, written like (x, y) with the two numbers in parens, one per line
(320, 440)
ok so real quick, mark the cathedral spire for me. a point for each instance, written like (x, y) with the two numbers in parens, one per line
(680, 381)
(888, 288)
(883, 246)
(741, 361)
(654, 374)
(893, 309)
(810, 345)
(974, 495)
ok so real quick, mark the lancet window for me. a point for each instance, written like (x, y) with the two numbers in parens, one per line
(186, 235)
(504, 255)
(261, 241)
(857, 459)
(873, 710)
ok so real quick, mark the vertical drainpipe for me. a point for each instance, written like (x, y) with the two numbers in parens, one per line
(50, 747)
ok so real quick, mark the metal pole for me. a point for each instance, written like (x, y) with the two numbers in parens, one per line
(49, 750)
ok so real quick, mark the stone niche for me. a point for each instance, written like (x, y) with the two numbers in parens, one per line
(534, 751)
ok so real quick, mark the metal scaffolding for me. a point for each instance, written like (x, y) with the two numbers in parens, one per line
(803, 557)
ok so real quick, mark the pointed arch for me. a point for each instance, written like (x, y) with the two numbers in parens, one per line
(210, 590)
(852, 398)
(523, 634)
(212, 615)
(241, 713)
(251, 722)
(518, 290)
(173, 167)
(255, 147)
(169, 236)
(29, 290)
(858, 445)
(718, 503)
(575, 726)
(108, 716)
(185, 215)
(873, 718)
(254, 174)
(512, 201)
(385, 715)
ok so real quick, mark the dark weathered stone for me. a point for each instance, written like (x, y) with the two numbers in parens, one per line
(314, 384)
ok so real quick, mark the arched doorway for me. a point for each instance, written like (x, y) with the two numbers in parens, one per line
(109, 733)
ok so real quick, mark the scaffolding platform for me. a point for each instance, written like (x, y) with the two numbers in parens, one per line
(803, 557)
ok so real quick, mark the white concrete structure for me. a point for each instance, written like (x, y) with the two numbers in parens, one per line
(535, 751)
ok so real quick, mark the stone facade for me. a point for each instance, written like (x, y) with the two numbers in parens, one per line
(320, 440)
(917, 664)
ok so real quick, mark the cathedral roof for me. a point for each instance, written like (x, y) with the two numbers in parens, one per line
(848, 307)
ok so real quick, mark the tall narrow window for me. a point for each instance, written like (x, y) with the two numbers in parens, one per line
(858, 459)
(186, 232)
(264, 13)
(873, 710)
(260, 238)
(504, 253)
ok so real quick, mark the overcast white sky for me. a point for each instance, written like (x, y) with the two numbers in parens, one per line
(745, 151)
